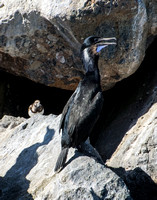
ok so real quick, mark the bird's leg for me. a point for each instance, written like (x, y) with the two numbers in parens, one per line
(82, 148)
(88, 150)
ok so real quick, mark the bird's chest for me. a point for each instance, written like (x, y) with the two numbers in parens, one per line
(83, 100)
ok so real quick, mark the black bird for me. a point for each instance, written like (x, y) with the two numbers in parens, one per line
(84, 106)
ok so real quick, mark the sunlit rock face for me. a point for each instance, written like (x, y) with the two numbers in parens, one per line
(41, 40)
(29, 149)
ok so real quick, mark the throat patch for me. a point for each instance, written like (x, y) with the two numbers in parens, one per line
(99, 48)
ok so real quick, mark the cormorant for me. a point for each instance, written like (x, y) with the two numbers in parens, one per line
(84, 106)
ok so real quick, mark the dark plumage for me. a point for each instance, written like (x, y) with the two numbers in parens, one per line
(84, 106)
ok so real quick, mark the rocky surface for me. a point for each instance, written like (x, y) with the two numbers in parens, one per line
(135, 157)
(41, 40)
(127, 140)
(28, 151)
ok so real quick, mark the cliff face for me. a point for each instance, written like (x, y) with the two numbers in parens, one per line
(41, 40)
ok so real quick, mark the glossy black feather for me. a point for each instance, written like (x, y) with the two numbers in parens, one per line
(83, 111)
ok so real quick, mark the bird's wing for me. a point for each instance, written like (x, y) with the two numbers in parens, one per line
(93, 109)
(83, 120)
(65, 109)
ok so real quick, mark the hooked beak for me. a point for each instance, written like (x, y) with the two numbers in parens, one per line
(104, 42)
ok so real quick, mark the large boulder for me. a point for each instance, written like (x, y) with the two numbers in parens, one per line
(41, 40)
(28, 152)
(135, 157)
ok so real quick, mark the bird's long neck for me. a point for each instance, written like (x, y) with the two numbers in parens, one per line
(90, 63)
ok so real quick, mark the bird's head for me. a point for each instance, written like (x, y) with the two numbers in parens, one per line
(93, 44)
(37, 103)
(90, 50)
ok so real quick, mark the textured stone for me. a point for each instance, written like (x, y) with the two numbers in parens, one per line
(49, 34)
(139, 146)
(28, 152)
(128, 133)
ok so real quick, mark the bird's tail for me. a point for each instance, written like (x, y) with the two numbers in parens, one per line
(61, 159)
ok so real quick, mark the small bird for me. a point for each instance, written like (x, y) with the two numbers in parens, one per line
(35, 108)
(84, 106)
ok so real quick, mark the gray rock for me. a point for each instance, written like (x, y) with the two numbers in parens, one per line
(10, 122)
(127, 140)
(41, 41)
(28, 152)
(139, 145)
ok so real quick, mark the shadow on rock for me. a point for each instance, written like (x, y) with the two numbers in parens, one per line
(140, 184)
(14, 184)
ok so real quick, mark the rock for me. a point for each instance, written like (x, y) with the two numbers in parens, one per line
(41, 41)
(137, 154)
(10, 122)
(139, 145)
(28, 152)
(127, 140)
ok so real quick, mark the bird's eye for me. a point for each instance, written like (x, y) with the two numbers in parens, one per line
(96, 39)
